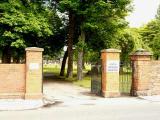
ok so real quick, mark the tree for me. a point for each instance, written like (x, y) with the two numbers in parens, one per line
(130, 40)
(80, 56)
(150, 35)
(158, 13)
(100, 21)
(69, 6)
(92, 19)
(64, 63)
(24, 23)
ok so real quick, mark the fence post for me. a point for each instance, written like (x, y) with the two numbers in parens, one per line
(33, 73)
(140, 86)
(110, 72)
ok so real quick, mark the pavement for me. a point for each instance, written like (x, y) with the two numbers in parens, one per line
(20, 104)
(126, 108)
(154, 98)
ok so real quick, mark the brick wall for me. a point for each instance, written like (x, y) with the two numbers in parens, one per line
(12, 80)
(152, 74)
(146, 75)
(23, 80)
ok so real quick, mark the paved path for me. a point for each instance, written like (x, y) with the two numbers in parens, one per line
(67, 94)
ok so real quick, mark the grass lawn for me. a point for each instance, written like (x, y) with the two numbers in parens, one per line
(50, 68)
(55, 69)
(86, 82)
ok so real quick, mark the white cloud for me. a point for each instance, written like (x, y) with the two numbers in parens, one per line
(144, 11)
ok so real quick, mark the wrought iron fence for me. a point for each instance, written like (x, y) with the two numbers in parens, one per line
(96, 81)
(125, 77)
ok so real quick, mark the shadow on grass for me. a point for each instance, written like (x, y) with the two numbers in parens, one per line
(51, 77)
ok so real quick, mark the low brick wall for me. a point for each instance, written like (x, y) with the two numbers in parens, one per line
(12, 80)
(154, 77)
(146, 75)
(23, 80)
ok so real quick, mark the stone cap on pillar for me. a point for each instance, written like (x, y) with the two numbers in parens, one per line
(141, 54)
(34, 49)
(111, 50)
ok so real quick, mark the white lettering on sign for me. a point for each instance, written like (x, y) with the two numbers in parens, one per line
(33, 66)
(113, 66)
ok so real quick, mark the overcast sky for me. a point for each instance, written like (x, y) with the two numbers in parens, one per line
(144, 11)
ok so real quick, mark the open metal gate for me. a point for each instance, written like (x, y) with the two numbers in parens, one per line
(125, 78)
(96, 80)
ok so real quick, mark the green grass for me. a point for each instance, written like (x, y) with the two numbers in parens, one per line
(86, 82)
(55, 69)
(51, 68)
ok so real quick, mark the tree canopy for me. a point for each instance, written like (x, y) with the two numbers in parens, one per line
(88, 25)
(24, 23)
(93, 23)
(151, 35)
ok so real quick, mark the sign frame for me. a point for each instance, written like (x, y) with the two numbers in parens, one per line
(113, 66)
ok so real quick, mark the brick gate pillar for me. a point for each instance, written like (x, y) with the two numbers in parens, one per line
(140, 64)
(110, 72)
(33, 73)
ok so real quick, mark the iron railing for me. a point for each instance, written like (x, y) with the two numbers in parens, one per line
(125, 77)
(96, 81)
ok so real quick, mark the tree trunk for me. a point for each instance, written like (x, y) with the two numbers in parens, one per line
(6, 55)
(70, 44)
(80, 65)
(16, 59)
(83, 62)
(64, 63)
(157, 57)
(80, 58)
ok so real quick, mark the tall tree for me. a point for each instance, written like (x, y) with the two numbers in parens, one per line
(150, 35)
(64, 63)
(80, 56)
(96, 20)
(24, 23)
(69, 7)
(99, 22)
(130, 40)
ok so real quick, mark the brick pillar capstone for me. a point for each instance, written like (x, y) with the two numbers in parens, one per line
(34, 73)
(110, 72)
(140, 85)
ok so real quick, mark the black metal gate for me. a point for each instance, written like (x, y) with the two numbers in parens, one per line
(96, 80)
(125, 77)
